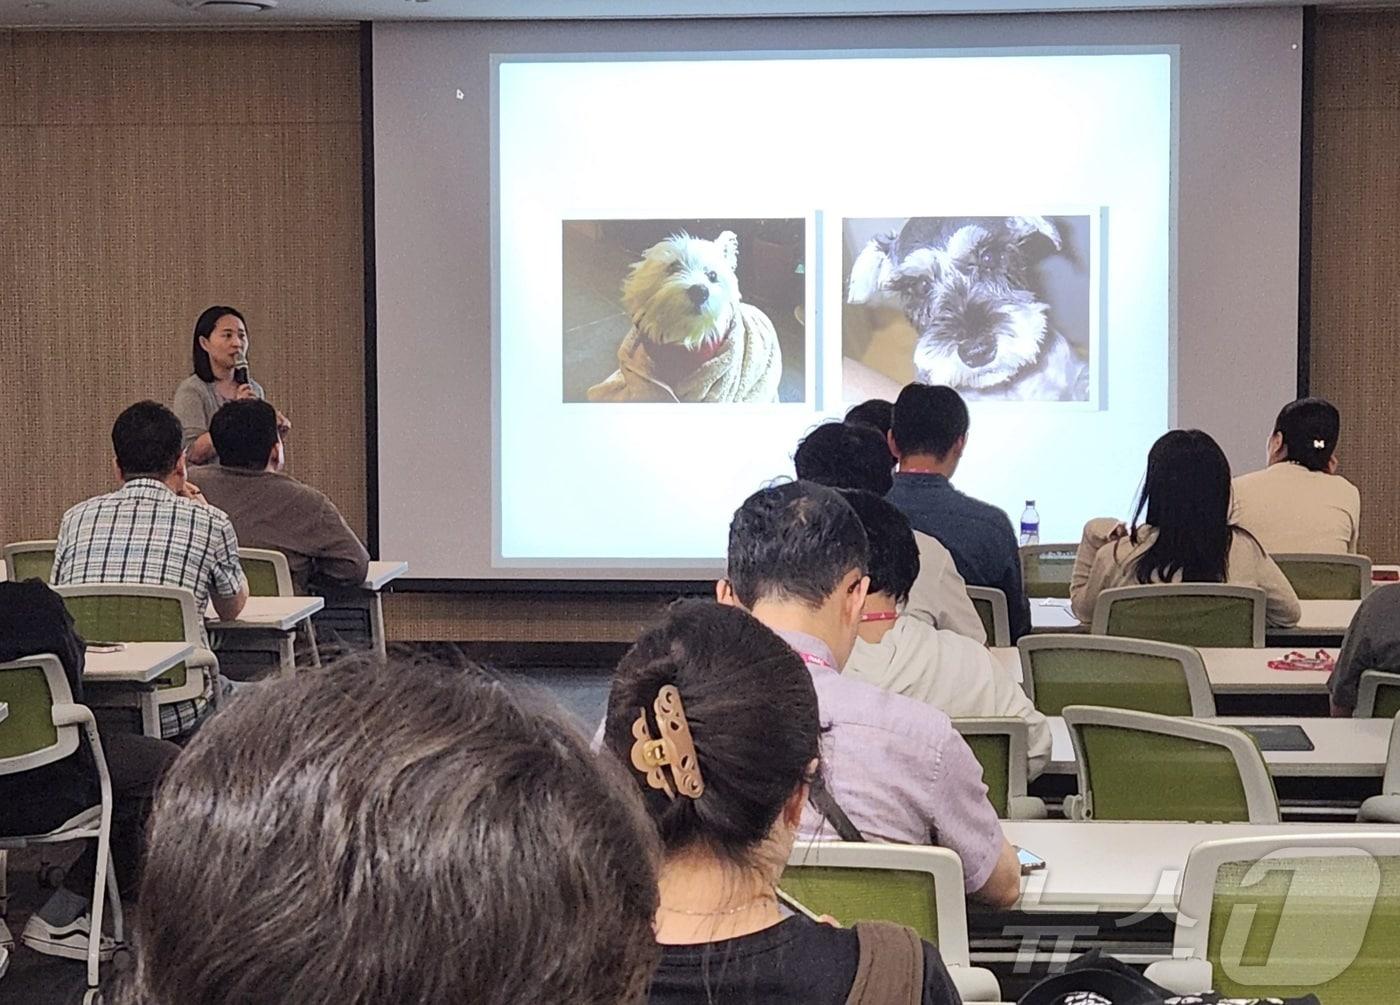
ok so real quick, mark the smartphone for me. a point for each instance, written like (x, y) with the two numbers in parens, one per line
(1030, 862)
(105, 647)
(789, 900)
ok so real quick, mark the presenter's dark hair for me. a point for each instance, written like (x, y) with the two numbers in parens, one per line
(147, 439)
(752, 711)
(794, 541)
(894, 555)
(1186, 497)
(845, 456)
(244, 433)
(928, 420)
(875, 412)
(381, 835)
(204, 326)
(1310, 427)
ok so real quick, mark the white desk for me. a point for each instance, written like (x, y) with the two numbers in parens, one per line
(1320, 617)
(137, 663)
(380, 574)
(1342, 748)
(1052, 614)
(1231, 671)
(277, 615)
(1124, 867)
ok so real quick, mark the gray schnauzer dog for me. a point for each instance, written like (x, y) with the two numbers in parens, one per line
(964, 285)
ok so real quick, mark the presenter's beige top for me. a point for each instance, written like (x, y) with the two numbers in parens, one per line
(1291, 509)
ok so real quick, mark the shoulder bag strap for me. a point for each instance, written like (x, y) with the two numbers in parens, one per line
(891, 968)
(823, 800)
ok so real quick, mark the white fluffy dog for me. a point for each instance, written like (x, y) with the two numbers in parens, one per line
(692, 338)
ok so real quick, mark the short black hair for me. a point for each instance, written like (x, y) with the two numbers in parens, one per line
(1310, 427)
(845, 456)
(875, 412)
(794, 541)
(894, 554)
(204, 326)
(928, 420)
(148, 440)
(244, 433)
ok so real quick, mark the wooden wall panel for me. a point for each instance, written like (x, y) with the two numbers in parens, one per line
(156, 173)
(1356, 256)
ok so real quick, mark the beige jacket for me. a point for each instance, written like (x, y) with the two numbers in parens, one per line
(939, 595)
(1103, 564)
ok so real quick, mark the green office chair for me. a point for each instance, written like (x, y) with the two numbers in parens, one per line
(1290, 915)
(1378, 695)
(918, 886)
(990, 605)
(1215, 615)
(1046, 569)
(1139, 766)
(1385, 808)
(1137, 674)
(1327, 577)
(1001, 745)
(30, 560)
(269, 575)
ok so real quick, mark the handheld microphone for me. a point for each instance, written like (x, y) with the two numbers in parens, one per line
(240, 369)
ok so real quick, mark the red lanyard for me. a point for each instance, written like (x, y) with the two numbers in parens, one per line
(879, 615)
(812, 659)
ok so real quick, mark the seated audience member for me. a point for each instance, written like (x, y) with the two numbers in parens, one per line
(875, 412)
(897, 768)
(910, 657)
(33, 620)
(737, 708)
(1299, 503)
(1372, 643)
(415, 833)
(853, 456)
(156, 529)
(220, 339)
(270, 509)
(928, 438)
(1187, 536)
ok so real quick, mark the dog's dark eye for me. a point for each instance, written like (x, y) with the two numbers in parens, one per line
(989, 258)
(922, 286)
(712, 276)
(673, 268)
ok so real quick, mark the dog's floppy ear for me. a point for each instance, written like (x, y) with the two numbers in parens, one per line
(1022, 228)
(728, 242)
(871, 270)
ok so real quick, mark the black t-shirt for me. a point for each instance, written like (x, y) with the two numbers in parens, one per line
(796, 962)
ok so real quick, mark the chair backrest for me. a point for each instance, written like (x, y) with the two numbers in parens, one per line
(1190, 614)
(267, 572)
(1390, 783)
(1002, 746)
(1378, 695)
(1139, 766)
(1138, 674)
(1046, 569)
(30, 560)
(918, 886)
(1293, 915)
(29, 739)
(137, 612)
(990, 605)
(1327, 577)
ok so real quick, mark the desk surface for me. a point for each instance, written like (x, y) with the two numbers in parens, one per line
(264, 614)
(1342, 748)
(381, 573)
(137, 663)
(1125, 867)
(1231, 671)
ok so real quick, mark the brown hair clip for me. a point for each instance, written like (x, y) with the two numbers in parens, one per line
(675, 749)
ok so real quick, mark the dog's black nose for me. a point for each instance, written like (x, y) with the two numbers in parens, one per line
(699, 293)
(977, 352)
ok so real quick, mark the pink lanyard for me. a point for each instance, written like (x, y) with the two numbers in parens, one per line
(812, 659)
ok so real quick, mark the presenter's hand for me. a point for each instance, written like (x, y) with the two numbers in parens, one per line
(245, 393)
(284, 424)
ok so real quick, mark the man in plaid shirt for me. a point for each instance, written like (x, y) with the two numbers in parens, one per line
(155, 529)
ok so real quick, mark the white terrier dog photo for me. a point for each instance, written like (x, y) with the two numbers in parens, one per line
(693, 339)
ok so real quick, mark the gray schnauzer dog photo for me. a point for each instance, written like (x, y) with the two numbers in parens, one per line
(996, 307)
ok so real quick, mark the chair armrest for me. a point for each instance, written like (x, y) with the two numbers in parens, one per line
(1074, 808)
(1182, 976)
(1026, 808)
(1380, 810)
(201, 659)
(72, 715)
(975, 984)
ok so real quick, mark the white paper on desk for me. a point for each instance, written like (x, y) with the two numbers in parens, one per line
(1060, 602)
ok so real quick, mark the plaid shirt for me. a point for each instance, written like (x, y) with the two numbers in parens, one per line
(145, 533)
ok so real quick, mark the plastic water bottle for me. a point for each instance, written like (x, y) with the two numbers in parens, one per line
(1030, 523)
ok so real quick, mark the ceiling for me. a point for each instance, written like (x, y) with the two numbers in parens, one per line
(176, 13)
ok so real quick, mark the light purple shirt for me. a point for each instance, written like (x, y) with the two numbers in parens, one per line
(898, 769)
